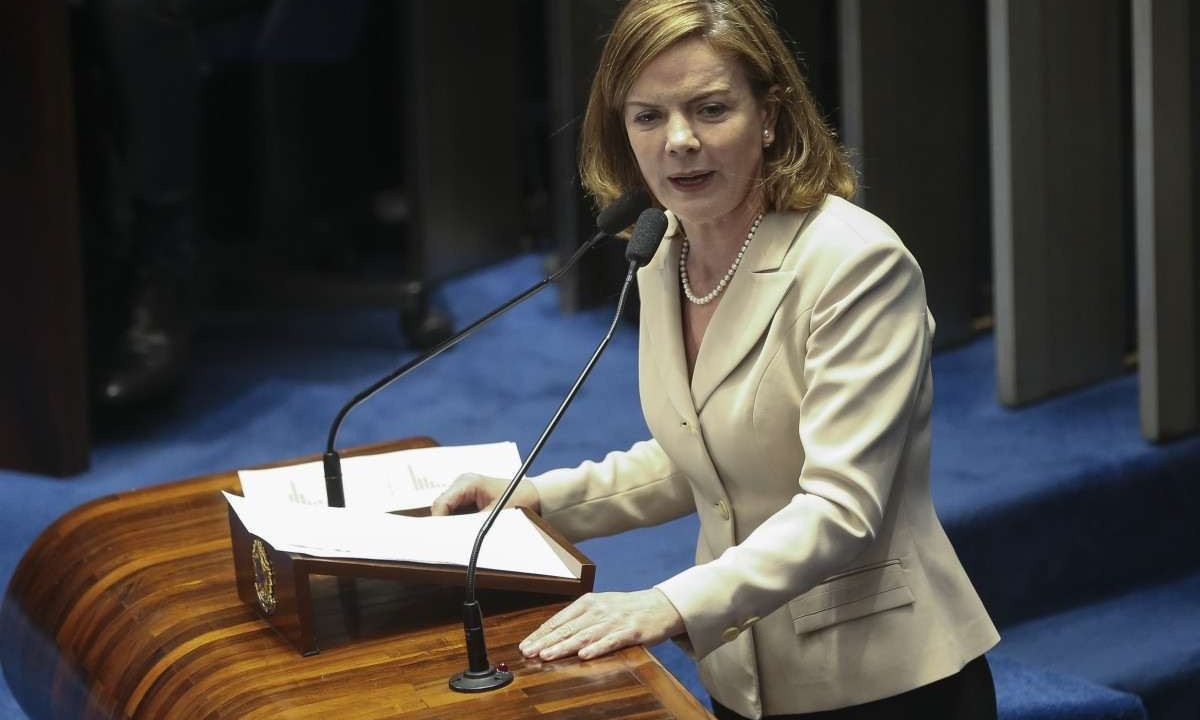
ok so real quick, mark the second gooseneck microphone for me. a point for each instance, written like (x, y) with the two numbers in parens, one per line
(612, 220)
(480, 674)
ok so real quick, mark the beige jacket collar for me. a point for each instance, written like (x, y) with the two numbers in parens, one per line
(746, 309)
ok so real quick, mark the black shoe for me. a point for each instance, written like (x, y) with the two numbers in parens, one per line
(150, 357)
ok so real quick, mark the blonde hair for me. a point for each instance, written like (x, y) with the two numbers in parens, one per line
(803, 164)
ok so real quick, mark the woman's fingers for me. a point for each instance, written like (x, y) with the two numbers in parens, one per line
(479, 492)
(554, 630)
(600, 623)
(462, 493)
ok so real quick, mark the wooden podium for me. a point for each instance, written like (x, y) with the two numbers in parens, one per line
(128, 608)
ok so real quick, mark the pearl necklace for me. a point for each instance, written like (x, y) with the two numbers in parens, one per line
(712, 295)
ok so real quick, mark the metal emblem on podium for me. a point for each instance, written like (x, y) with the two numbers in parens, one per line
(264, 577)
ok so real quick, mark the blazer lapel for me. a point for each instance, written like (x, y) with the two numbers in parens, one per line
(748, 306)
(658, 283)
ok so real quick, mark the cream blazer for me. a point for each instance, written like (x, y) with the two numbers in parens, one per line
(823, 577)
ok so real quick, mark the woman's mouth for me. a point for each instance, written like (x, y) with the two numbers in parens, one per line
(691, 181)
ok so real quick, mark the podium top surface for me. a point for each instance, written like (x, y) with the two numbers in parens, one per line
(126, 607)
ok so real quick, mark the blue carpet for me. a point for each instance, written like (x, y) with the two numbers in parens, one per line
(1051, 507)
(1024, 692)
(1146, 642)
(1034, 498)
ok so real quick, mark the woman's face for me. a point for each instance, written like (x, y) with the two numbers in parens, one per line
(696, 130)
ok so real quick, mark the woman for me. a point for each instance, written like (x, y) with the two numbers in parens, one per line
(784, 375)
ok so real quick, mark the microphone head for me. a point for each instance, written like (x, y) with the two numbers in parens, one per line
(624, 210)
(647, 234)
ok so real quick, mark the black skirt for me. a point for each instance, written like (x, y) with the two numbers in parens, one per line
(969, 694)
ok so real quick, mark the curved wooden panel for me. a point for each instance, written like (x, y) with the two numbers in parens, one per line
(126, 608)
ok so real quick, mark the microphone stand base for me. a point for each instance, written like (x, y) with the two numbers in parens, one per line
(471, 682)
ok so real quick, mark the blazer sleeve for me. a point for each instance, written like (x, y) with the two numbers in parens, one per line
(627, 489)
(865, 358)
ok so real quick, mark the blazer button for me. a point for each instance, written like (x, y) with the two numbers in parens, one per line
(750, 621)
(723, 510)
(730, 634)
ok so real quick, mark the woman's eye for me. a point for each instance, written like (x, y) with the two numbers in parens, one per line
(646, 116)
(712, 110)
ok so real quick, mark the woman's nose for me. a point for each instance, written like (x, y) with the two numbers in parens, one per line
(680, 138)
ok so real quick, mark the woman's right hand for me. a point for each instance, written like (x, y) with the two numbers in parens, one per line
(479, 492)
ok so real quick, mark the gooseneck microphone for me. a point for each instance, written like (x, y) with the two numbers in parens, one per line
(612, 220)
(480, 674)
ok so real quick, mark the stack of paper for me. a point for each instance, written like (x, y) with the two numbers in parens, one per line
(513, 544)
(398, 480)
(287, 507)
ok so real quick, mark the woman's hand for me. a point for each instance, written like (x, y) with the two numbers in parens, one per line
(599, 623)
(479, 492)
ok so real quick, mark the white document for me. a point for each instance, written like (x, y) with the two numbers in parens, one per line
(514, 544)
(398, 480)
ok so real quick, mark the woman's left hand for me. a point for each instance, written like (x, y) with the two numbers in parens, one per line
(599, 623)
